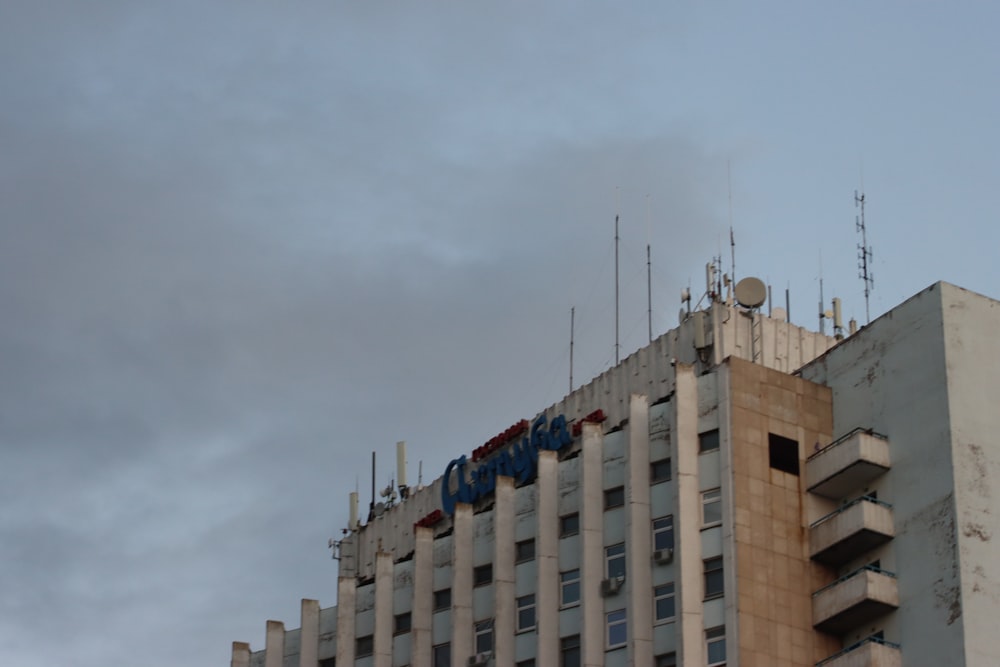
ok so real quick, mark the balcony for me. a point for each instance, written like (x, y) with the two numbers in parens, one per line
(850, 531)
(870, 652)
(854, 600)
(847, 464)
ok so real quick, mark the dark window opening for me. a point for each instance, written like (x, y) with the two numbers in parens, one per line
(524, 551)
(442, 599)
(708, 441)
(714, 578)
(659, 471)
(402, 623)
(482, 575)
(614, 497)
(783, 453)
(569, 649)
(365, 646)
(569, 525)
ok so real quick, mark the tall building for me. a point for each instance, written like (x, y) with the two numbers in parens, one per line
(740, 492)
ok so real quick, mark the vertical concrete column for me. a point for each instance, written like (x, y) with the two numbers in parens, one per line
(592, 543)
(347, 594)
(461, 585)
(309, 634)
(274, 646)
(547, 558)
(241, 655)
(382, 637)
(687, 525)
(503, 571)
(638, 534)
(422, 614)
(727, 456)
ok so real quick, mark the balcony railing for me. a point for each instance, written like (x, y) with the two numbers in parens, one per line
(847, 464)
(854, 600)
(870, 652)
(850, 531)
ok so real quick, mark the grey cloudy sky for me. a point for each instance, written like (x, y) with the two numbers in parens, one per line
(242, 244)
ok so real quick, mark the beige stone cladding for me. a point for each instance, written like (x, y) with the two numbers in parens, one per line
(775, 578)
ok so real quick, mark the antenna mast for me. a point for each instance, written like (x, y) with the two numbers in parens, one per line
(732, 239)
(572, 317)
(649, 274)
(864, 252)
(617, 349)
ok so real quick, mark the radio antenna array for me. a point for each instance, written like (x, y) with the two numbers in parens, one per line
(864, 252)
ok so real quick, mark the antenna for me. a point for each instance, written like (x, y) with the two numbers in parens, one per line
(617, 350)
(371, 508)
(864, 252)
(649, 274)
(822, 313)
(732, 239)
(404, 490)
(572, 318)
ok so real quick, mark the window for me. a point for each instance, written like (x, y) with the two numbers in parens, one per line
(328, 662)
(569, 651)
(711, 508)
(401, 623)
(484, 636)
(708, 441)
(364, 646)
(659, 471)
(614, 497)
(714, 581)
(525, 613)
(614, 560)
(715, 646)
(442, 655)
(482, 575)
(617, 629)
(663, 603)
(663, 532)
(569, 525)
(666, 660)
(524, 551)
(783, 453)
(569, 588)
(530, 662)
(442, 599)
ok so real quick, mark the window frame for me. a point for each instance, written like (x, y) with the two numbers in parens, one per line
(526, 546)
(436, 651)
(574, 519)
(665, 659)
(667, 529)
(483, 629)
(715, 636)
(711, 498)
(660, 593)
(564, 583)
(369, 646)
(711, 574)
(709, 441)
(567, 644)
(610, 557)
(522, 605)
(619, 622)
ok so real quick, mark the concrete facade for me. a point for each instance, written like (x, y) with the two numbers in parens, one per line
(710, 507)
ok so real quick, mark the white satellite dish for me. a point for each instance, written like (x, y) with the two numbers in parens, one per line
(751, 292)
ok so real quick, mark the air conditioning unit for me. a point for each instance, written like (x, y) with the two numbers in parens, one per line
(611, 586)
(663, 556)
(480, 659)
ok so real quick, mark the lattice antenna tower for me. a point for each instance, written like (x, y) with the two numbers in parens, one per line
(864, 251)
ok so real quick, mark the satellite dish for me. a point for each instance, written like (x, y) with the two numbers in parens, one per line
(779, 314)
(379, 509)
(751, 292)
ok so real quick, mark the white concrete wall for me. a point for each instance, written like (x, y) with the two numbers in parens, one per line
(971, 331)
(892, 377)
